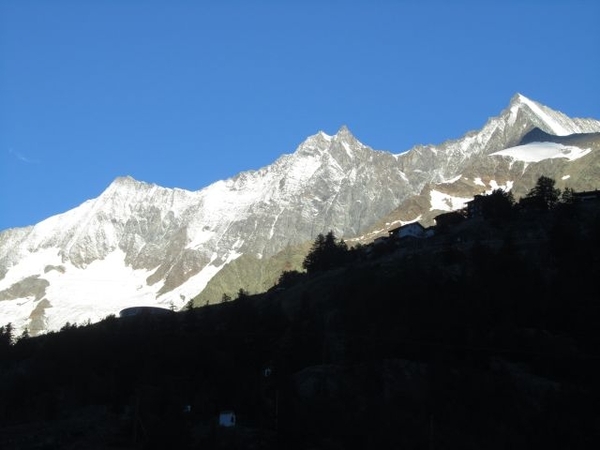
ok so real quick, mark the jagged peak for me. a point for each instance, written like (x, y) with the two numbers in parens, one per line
(345, 135)
(549, 120)
(126, 187)
(343, 131)
(125, 180)
(320, 136)
(519, 99)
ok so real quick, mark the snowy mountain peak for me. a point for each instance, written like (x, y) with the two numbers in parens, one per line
(140, 243)
(519, 99)
(122, 186)
(343, 133)
(548, 120)
(324, 136)
(323, 140)
(316, 142)
(342, 147)
(125, 180)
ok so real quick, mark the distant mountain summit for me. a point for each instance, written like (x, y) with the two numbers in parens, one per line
(453, 172)
(548, 120)
(142, 244)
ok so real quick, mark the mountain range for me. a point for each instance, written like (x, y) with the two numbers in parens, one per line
(142, 244)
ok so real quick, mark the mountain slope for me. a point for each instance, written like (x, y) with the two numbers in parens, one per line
(166, 244)
(139, 243)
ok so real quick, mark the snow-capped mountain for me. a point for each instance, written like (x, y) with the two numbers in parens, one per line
(141, 244)
(506, 153)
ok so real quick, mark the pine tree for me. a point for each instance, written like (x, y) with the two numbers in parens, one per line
(6, 335)
(326, 253)
(567, 196)
(498, 205)
(545, 191)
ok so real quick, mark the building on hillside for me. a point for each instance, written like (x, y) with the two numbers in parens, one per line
(413, 229)
(448, 219)
(588, 196)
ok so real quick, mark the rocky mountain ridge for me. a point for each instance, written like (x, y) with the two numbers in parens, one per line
(138, 243)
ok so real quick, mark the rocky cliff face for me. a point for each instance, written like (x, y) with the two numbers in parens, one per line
(139, 243)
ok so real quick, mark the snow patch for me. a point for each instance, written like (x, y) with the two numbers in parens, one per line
(76, 295)
(479, 182)
(104, 287)
(31, 264)
(445, 202)
(539, 151)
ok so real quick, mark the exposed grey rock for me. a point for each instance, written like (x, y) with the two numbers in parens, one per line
(32, 286)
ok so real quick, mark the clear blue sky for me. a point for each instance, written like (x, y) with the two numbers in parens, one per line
(185, 93)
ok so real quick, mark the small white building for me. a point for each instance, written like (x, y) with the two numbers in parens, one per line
(413, 229)
(227, 419)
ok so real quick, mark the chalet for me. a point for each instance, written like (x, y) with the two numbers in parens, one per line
(448, 219)
(588, 196)
(413, 229)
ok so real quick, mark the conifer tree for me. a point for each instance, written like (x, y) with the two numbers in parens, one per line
(545, 191)
(326, 253)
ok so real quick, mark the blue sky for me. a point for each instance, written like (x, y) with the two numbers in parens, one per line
(185, 93)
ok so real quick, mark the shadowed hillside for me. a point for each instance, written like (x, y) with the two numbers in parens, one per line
(483, 335)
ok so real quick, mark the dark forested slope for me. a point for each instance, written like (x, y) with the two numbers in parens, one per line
(482, 336)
